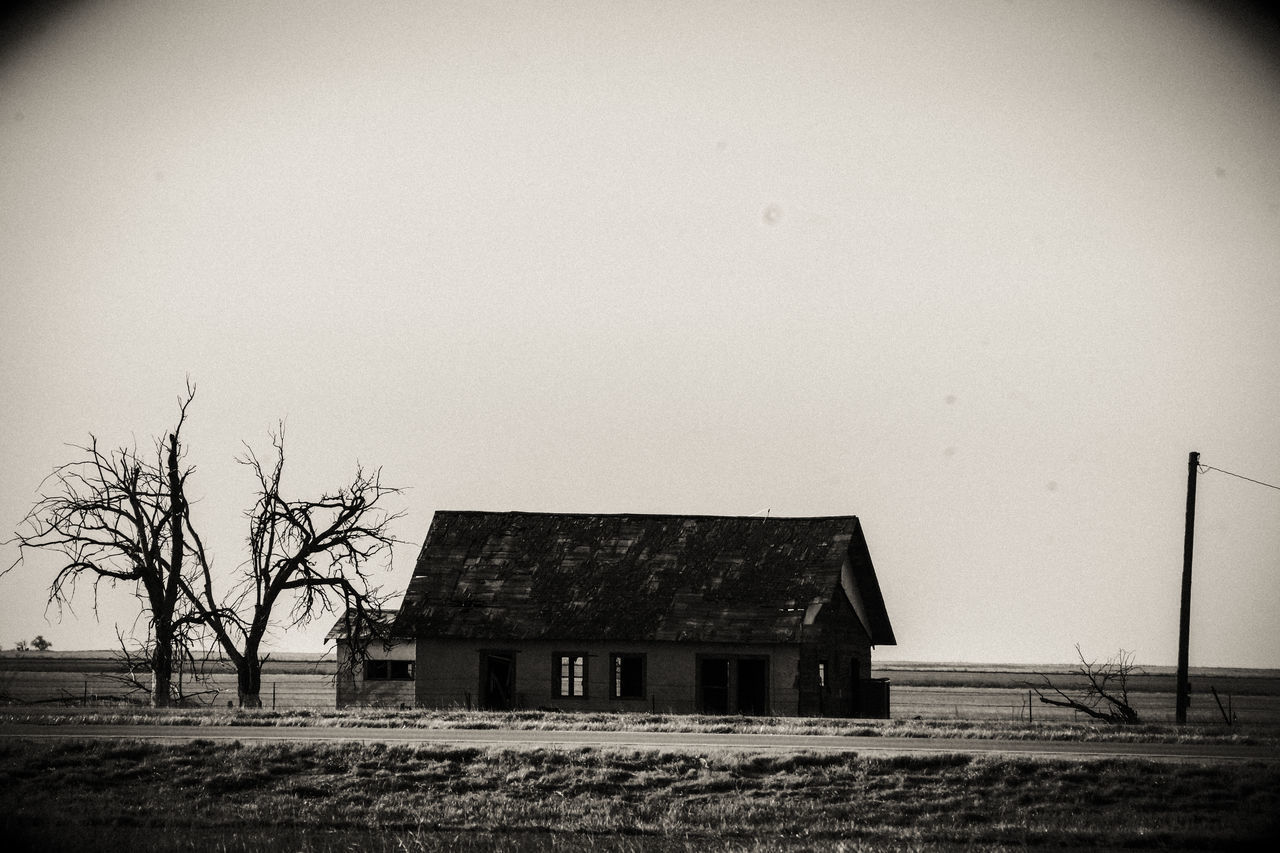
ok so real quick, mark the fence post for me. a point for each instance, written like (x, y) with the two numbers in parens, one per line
(1226, 718)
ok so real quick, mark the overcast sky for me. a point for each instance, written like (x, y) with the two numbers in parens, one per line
(981, 273)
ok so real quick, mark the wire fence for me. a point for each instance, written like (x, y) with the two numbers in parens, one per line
(989, 703)
(284, 692)
(318, 691)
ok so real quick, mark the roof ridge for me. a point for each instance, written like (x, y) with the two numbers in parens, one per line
(646, 515)
(627, 576)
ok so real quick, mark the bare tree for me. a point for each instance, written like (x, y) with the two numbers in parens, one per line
(121, 516)
(133, 659)
(1103, 690)
(310, 556)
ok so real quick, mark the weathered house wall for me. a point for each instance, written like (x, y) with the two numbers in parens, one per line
(452, 673)
(377, 686)
(836, 646)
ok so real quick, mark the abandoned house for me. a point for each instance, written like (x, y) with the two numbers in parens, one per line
(709, 614)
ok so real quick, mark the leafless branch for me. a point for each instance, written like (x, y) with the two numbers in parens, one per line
(306, 557)
(118, 516)
(1104, 693)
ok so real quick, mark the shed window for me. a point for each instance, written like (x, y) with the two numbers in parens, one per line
(388, 670)
(570, 675)
(628, 676)
(822, 674)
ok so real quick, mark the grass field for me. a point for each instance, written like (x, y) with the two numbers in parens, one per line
(126, 795)
(130, 795)
(1044, 729)
(1003, 691)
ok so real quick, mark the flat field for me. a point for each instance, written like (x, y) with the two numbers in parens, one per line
(961, 691)
(72, 794)
(929, 691)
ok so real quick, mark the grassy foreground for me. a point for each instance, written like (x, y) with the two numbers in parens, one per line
(202, 796)
(1255, 734)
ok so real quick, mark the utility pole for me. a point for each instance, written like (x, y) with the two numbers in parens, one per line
(1184, 619)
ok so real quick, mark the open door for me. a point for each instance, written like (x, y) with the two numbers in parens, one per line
(497, 680)
(733, 685)
(753, 686)
(713, 685)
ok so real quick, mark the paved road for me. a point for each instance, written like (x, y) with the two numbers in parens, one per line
(524, 739)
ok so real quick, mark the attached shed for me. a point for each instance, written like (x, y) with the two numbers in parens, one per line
(383, 674)
(709, 614)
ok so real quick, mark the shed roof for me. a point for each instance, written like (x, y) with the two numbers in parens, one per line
(341, 628)
(630, 577)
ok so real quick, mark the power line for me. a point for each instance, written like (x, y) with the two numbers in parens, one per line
(1204, 468)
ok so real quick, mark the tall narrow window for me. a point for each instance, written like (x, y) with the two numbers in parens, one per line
(570, 675)
(628, 676)
(822, 674)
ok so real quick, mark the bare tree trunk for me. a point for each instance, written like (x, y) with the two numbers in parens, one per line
(162, 667)
(119, 516)
(166, 607)
(310, 554)
(249, 681)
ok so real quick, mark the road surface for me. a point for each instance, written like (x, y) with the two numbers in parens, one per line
(678, 741)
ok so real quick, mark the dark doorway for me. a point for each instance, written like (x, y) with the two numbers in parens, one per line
(497, 680)
(713, 683)
(855, 691)
(753, 686)
(869, 697)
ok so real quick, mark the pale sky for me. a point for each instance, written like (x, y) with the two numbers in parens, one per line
(981, 273)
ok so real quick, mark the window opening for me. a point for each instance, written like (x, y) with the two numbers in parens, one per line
(628, 676)
(571, 676)
(388, 670)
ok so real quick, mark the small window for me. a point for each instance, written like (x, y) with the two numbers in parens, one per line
(822, 674)
(388, 670)
(628, 676)
(570, 675)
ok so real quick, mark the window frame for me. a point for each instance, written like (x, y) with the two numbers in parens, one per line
(391, 670)
(616, 678)
(560, 678)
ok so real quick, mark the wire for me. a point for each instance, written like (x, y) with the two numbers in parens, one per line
(1204, 468)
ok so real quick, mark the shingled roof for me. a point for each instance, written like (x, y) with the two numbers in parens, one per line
(524, 576)
(341, 628)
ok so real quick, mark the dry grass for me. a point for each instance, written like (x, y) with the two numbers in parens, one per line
(202, 796)
(1255, 734)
